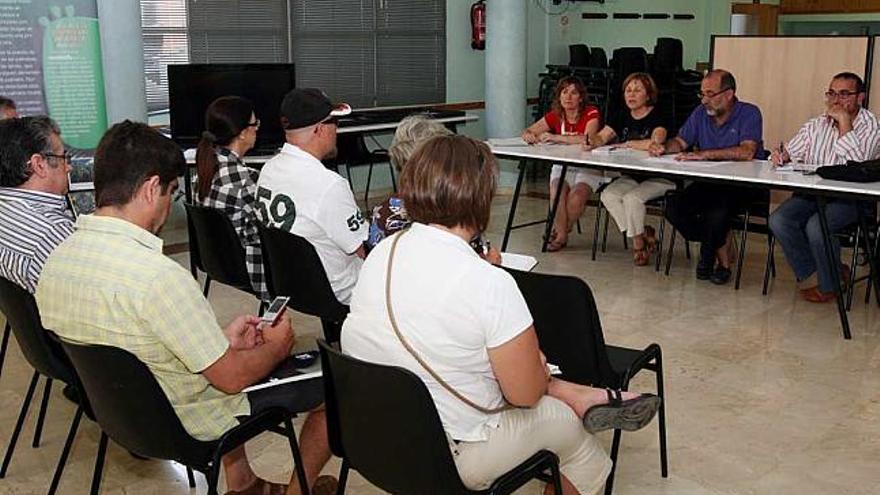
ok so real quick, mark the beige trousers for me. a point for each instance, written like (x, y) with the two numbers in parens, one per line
(625, 200)
(550, 425)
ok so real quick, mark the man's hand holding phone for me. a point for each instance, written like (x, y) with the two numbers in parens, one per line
(243, 333)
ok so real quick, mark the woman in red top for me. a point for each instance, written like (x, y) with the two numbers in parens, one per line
(569, 120)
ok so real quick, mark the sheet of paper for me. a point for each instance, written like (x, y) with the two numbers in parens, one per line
(670, 160)
(514, 141)
(522, 262)
(274, 382)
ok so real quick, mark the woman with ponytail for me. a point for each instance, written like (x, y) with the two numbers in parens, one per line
(224, 182)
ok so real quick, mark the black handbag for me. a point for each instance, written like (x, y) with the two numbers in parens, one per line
(853, 171)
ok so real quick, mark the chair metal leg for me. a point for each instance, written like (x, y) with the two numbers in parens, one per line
(212, 478)
(343, 477)
(367, 189)
(768, 268)
(99, 465)
(742, 250)
(671, 248)
(348, 176)
(4, 345)
(41, 416)
(190, 477)
(596, 230)
(625, 243)
(18, 423)
(297, 458)
(851, 283)
(578, 223)
(605, 232)
(687, 249)
(660, 240)
(615, 448)
(661, 415)
(207, 285)
(65, 452)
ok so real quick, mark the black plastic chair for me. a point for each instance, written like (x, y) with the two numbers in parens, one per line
(386, 427)
(120, 399)
(578, 55)
(216, 249)
(293, 269)
(47, 359)
(352, 151)
(570, 335)
(668, 56)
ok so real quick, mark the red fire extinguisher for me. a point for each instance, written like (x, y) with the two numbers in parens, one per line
(478, 25)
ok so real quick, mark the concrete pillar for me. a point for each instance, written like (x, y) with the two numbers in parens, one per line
(506, 35)
(123, 57)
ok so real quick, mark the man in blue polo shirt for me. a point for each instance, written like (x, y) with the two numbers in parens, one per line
(722, 128)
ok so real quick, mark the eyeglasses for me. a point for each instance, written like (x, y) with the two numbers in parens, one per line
(255, 123)
(331, 121)
(65, 156)
(843, 95)
(710, 94)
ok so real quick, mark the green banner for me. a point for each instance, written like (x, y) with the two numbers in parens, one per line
(51, 64)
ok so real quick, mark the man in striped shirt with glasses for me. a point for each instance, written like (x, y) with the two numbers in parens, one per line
(846, 131)
(34, 217)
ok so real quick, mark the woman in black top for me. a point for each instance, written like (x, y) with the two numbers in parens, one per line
(637, 126)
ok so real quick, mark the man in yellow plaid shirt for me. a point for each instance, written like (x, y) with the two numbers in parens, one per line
(110, 284)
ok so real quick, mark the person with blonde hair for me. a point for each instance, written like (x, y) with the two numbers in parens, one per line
(636, 126)
(390, 216)
(426, 299)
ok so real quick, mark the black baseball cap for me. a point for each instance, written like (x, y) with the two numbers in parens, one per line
(303, 107)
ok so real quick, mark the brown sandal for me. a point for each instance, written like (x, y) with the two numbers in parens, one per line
(641, 257)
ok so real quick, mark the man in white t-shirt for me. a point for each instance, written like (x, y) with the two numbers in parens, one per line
(296, 193)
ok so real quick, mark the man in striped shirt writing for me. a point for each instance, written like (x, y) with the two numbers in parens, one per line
(846, 131)
(33, 212)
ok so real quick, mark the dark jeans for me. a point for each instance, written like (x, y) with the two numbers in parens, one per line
(702, 212)
(796, 224)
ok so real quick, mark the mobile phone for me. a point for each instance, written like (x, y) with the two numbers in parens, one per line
(275, 310)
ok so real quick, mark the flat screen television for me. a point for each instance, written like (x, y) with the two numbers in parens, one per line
(192, 87)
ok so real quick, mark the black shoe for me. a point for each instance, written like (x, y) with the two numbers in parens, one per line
(70, 394)
(704, 270)
(720, 276)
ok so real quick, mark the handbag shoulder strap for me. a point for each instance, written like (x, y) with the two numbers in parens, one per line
(413, 352)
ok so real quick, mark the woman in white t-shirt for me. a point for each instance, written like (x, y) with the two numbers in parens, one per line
(468, 322)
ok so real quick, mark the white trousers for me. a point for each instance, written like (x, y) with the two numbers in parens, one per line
(550, 425)
(625, 200)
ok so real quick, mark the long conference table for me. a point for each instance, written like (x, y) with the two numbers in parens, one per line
(754, 174)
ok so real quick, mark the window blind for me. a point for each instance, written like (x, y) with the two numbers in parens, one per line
(365, 52)
(165, 42)
(237, 31)
(371, 52)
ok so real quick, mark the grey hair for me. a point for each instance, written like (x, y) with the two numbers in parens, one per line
(21, 138)
(410, 134)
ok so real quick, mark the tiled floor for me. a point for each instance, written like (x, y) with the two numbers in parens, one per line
(764, 395)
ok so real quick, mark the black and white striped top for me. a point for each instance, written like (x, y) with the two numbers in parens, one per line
(32, 223)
